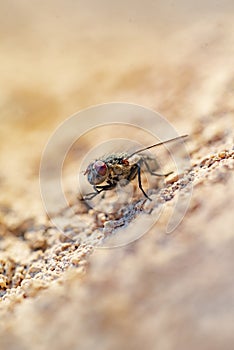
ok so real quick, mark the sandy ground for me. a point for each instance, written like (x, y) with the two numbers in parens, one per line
(164, 291)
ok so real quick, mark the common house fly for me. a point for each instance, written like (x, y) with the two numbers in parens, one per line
(120, 168)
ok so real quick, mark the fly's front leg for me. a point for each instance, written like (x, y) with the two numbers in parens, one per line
(98, 189)
(90, 195)
(152, 172)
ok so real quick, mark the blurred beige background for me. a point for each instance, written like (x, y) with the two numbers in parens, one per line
(58, 57)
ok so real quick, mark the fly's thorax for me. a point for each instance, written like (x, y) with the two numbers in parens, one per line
(114, 158)
(118, 169)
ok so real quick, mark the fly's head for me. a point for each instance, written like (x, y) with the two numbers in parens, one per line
(97, 172)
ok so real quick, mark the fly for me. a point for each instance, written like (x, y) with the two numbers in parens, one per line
(105, 173)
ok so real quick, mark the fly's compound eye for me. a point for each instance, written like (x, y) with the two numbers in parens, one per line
(100, 167)
(97, 172)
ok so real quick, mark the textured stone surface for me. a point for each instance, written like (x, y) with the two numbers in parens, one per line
(164, 291)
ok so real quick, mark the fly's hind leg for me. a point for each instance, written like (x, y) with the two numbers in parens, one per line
(153, 172)
(139, 182)
(136, 171)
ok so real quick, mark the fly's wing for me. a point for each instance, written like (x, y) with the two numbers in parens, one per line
(164, 158)
(149, 162)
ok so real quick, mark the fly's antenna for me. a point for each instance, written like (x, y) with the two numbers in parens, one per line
(157, 144)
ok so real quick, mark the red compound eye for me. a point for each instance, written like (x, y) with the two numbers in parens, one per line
(100, 167)
(125, 162)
